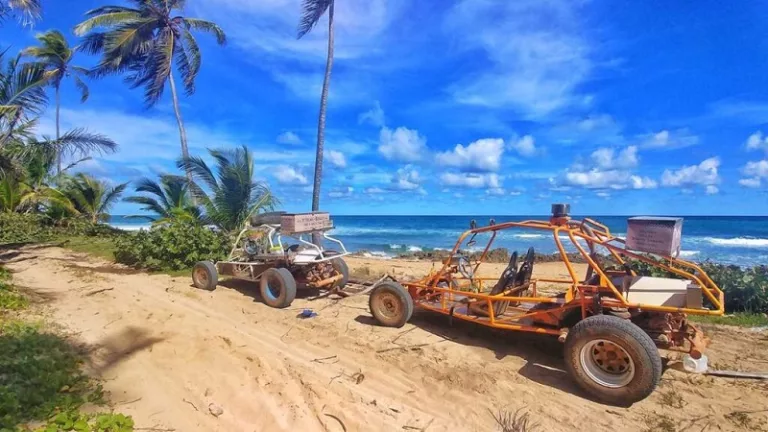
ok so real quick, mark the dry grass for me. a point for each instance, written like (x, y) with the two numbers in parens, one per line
(672, 398)
(517, 421)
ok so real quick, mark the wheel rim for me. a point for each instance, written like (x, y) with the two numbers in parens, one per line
(273, 289)
(607, 364)
(388, 306)
(201, 276)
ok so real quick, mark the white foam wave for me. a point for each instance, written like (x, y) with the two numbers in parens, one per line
(395, 246)
(125, 227)
(377, 255)
(528, 236)
(382, 231)
(685, 253)
(747, 242)
(414, 249)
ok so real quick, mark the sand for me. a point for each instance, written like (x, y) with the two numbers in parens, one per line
(175, 357)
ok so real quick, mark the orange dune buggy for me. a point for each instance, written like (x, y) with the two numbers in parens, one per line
(611, 319)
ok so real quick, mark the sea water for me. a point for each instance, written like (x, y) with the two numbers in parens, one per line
(740, 240)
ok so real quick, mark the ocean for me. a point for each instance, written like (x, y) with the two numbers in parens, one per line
(740, 240)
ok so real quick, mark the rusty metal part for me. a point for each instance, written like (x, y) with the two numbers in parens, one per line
(673, 331)
(325, 282)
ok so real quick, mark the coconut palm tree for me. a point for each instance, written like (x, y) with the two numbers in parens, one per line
(169, 199)
(92, 198)
(146, 42)
(22, 97)
(28, 11)
(55, 55)
(234, 193)
(311, 12)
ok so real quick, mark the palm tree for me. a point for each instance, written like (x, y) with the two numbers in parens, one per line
(92, 198)
(55, 55)
(311, 12)
(169, 199)
(28, 10)
(22, 97)
(145, 42)
(234, 194)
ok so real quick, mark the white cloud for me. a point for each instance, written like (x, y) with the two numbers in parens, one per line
(608, 179)
(669, 140)
(535, 51)
(471, 180)
(406, 178)
(607, 158)
(712, 190)
(289, 175)
(757, 168)
(341, 192)
(705, 173)
(496, 191)
(481, 155)
(374, 190)
(374, 116)
(525, 146)
(603, 194)
(402, 144)
(336, 158)
(289, 138)
(757, 141)
(753, 182)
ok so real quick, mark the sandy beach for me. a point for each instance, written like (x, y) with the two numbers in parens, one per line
(171, 355)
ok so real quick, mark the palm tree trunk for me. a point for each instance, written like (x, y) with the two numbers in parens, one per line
(316, 238)
(182, 132)
(58, 134)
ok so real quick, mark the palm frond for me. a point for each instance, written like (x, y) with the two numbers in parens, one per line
(150, 205)
(83, 87)
(188, 60)
(154, 188)
(199, 169)
(157, 67)
(110, 197)
(107, 18)
(311, 12)
(206, 26)
(80, 141)
(29, 10)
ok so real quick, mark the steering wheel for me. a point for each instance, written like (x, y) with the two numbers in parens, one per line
(465, 267)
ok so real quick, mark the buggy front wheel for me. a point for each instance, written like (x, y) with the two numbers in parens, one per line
(205, 276)
(390, 304)
(278, 287)
(612, 359)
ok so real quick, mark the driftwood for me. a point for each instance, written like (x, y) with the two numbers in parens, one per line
(736, 374)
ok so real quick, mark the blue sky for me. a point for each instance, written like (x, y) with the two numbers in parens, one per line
(464, 107)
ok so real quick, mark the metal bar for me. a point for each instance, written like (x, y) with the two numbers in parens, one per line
(597, 268)
(485, 252)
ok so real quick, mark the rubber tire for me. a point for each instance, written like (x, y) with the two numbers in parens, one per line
(281, 279)
(212, 275)
(405, 300)
(632, 339)
(341, 266)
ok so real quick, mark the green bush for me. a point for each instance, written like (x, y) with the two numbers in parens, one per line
(21, 228)
(176, 246)
(84, 227)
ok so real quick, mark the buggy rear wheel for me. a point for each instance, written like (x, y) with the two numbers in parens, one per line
(341, 267)
(278, 287)
(612, 359)
(205, 276)
(390, 304)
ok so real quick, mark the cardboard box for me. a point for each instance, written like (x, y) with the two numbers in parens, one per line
(305, 222)
(656, 235)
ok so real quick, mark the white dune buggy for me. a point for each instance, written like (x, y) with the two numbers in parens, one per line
(260, 254)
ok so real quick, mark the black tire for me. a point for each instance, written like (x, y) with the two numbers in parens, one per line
(205, 276)
(341, 266)
(278, 287)
(613, 376)
(390, 304)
